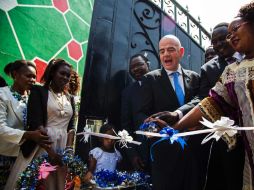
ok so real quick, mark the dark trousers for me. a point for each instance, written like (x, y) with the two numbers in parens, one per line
(225, 170)
(175, 168)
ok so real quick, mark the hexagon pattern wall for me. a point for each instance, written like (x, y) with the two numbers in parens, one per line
(40, 30)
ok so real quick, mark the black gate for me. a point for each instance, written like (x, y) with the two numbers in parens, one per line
(120, 29)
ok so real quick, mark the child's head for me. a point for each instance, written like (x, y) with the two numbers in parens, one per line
(107, 144)
(241, 29)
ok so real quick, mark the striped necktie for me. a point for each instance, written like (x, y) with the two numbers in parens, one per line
(178, 88)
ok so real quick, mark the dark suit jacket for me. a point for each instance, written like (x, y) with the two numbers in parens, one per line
(37, 115)
(130, 100)
(129, 106)
(158, 94)
(171, 168)
(210, 74)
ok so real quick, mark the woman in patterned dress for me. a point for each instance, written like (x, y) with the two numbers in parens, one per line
(233, 95)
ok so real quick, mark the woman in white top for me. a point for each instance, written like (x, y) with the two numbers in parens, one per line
(13, 115)
(50, 107)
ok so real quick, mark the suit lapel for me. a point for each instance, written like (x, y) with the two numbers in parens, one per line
(187, 86)
(166, 84)
(16, 108)
(221, 64)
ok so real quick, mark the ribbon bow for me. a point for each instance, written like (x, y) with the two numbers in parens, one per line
(221, 127)
(171, 136)
(86, 133)
(44, 170)
(168, 133)
(122, 137)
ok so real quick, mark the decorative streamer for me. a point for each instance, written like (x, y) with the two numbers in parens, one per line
(118, 180)
(167, 133)
(122, 137)
(216, 130)
(40, 167)
(44, 169)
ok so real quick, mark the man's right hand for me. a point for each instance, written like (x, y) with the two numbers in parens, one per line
(138, 163)
(169, 117)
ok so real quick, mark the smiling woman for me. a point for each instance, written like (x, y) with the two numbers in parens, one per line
(51, 109)
(13, 115)
(233, 96)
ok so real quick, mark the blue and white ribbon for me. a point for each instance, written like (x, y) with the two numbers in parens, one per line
(167, 133)
(216, 130)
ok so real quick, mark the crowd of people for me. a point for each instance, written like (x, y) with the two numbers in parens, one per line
(39, 118)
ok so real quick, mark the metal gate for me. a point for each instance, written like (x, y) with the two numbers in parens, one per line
(120, 29)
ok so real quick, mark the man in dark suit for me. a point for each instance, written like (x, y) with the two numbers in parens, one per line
(170, 88)
(212, 70)
(139, 65)
(220, 174)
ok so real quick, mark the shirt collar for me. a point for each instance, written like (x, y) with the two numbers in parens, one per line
(179, 70)
(239, 57)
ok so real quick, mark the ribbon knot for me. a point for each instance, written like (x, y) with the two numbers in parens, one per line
(124, 138)
(221, 127)
(170, 132)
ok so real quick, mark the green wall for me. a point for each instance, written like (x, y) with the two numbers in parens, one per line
(40, 30)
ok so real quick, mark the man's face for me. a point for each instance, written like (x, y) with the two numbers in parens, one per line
(209, 54)
(220, 44)
(138, 67)
(170, 53)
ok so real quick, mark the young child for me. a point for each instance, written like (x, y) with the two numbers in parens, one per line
(104, 157)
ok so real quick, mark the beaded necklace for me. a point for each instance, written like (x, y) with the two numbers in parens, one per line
(23, 99)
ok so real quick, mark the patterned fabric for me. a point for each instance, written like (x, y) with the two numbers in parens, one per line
(233, 97)
(105, 160)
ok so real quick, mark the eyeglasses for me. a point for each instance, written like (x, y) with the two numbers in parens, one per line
(234, 30)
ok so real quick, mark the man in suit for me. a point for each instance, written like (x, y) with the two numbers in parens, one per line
(138, 66)
(212, 70)
(170, 88)
(220, 174)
